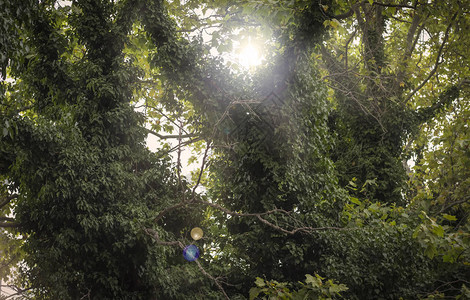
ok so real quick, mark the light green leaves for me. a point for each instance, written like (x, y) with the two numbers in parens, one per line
(314, 288)
(449, 217)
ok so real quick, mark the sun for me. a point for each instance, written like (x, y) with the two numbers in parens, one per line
(249, 56)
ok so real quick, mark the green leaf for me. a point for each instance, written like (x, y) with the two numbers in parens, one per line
(309, 278)
(449, 217)
(438, 230)
(430, 251)
(260, 282)
(355, 200)
(254, 292)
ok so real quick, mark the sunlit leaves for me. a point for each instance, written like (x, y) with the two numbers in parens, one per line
(315, 287)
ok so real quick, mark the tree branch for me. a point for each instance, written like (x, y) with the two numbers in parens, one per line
(7, 200)
(9, 225)
(170, 136)
(202, 27)
(410, 35)
(395, 5)
(411, 40)
(7, 219)
(344, 15)
(183, 202)
(437, 63)
(154, 234)
(166, 116)
(180, 145)
(306, 229)
(18, 292)
(204, 158)
(217, 283)
(346, 48)
(450, 205)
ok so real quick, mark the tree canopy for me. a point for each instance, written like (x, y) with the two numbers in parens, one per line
(337, 168)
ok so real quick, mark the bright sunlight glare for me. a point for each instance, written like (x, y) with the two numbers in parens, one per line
(249, 56)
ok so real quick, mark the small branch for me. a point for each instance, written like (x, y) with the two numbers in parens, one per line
(400, 20)
(18, 292)
(344, 15)
(450, 205)
(7, 200)
(300, 229)
(166, 116)
(178, 165)
(156, 236)
(204, 158)
(185, 202)
(170, 208)
(7, 219)
(7, 264)
(395, 5)
(410, 35)
(346, 48)
(412, 38)
(437, 63)
(306, 229)
(181, 145)
(171, 136)
(213, 279)
(233, 213)
(203, 27)
(9, 225)
(87, 295)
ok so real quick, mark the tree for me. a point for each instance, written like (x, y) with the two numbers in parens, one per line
(75, 157)
(299, 177)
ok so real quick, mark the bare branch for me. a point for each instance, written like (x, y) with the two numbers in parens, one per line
(238, 214)
(395, 5)
(9, 225)
(450, 205)
(7, 200)
(9, 262)
(437, 63)
(154, 234)
(346, 48)
(170, 208)
(18, 291)
(400, 20)
(300, 229)
(178, 166)
(306, 229)
(410, 35)
(203, 27)
(166, 116)
(411, 41)
(185, 202)
(170, 136)
(204, 158)
(217, 283)
(180, 145)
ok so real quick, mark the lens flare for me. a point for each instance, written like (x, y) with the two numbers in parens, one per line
(197, 233)
(191, 253)
(249, 56)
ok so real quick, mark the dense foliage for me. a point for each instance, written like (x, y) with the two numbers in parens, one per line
(338, 168)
